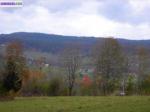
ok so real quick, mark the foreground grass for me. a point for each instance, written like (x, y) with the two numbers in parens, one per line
(78, 104)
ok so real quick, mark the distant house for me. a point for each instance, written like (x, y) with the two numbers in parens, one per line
(86, 76)
(86, 80)
(88, 72)
(46, 65)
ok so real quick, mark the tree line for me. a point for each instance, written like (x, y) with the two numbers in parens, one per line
(112, 73)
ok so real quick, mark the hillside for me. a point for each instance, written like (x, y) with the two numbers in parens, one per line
(55, 43)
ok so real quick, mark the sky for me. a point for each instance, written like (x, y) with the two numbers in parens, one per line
(128, 19)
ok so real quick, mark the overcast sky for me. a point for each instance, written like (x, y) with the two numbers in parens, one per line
(101, 18)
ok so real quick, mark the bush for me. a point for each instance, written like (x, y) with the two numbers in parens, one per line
(35, 88)
(131, 85)
(146, 86)
(56, 87)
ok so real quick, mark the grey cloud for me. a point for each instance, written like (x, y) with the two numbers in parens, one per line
(122, 11)
(81, 17)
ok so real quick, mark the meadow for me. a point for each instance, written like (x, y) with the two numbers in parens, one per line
(77, 104)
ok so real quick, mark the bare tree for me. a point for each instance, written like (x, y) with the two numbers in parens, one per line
(110, 64)
(71, 61)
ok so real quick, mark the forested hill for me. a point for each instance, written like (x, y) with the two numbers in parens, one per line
(55, 43)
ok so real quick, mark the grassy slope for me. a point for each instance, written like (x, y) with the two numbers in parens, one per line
(78, 104)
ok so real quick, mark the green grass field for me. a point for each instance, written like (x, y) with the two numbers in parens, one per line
(78, 104)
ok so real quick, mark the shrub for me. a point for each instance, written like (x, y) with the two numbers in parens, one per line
(131, 85)
(146, 86)
(57, 87)
(54, 87)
